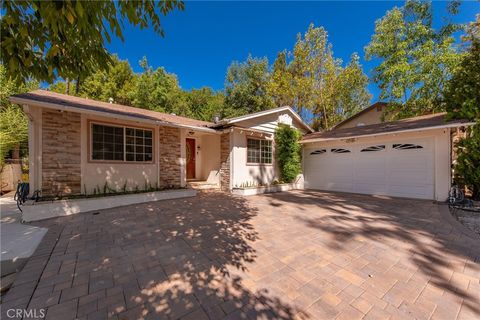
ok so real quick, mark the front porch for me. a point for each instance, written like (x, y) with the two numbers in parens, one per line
(201, 151)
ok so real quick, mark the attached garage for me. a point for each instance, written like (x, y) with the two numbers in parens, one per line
(409, 158)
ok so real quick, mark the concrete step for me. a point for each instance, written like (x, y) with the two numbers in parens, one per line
(203, 185)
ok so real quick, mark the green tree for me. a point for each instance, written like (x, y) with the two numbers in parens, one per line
(462, 101)
(288, 152)
(352, 93)
(280, 86)
(310, 55)
(158, 90)
(58, 86)
(46, 39)
(13, 122)
(246, 86)
(154, 89)
(416, 60)
(321, 85)
(115, 82)
(204, 103)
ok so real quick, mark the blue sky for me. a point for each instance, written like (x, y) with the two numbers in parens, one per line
(201, 41)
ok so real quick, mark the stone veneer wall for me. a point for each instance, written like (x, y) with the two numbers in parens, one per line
(170, 166)
(61, 153)
(225, 161)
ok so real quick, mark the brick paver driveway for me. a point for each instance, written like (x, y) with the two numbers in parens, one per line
(304, 254)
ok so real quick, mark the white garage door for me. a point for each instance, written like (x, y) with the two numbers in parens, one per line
(400, 168)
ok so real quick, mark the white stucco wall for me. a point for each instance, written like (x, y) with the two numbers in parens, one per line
(247, 173)
(258, 174)
(441, 154)
(209, 154)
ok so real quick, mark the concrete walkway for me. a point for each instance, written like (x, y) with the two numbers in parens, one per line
(291, 255)
(18, 241)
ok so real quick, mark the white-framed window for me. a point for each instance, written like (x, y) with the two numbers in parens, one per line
(121, 143)
(259, 151)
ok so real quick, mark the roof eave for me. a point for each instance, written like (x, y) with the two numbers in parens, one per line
(452, 125)
(266, 112)
(49, 105)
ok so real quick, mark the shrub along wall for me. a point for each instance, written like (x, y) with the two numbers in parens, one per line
(288, 152)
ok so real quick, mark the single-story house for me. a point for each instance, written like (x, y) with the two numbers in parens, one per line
(409, 158)
(79, 146)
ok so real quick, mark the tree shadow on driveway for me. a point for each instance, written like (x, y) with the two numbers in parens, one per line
(185, 258)
(418, 234)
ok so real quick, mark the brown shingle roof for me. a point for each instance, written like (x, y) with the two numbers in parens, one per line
(432, 120)
(112, 108)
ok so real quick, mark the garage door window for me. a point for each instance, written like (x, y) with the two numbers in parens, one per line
(259, 151)
(340, 150)
(318, 151)
(379, 147)
(406, 146)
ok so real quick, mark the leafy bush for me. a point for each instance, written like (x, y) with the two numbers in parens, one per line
(288, 150)
(467, 168)
(462, 101)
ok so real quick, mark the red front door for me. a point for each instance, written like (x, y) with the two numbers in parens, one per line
(190, 146)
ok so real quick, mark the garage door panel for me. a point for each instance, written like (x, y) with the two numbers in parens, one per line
(412, 191)
(371, 188)
(383, 170)
(372, 170)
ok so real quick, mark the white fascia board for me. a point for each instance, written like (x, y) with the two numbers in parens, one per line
(453, 125)
(55, 106)
(264, 113)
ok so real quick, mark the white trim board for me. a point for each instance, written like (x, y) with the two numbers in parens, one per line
(263, 113)
(453, 125)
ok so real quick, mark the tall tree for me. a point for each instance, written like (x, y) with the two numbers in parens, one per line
(416, 60)
(462, 101)
(46, 39)
(310, 55)
(13, 122)
(280, 86)
(246, 86)
(320, 85)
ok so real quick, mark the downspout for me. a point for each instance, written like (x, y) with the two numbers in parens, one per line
(157, 144)
(232, 155)
(33, 150)
(450, 162)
